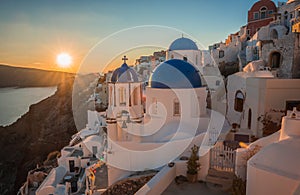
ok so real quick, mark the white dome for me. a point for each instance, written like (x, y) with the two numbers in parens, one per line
(183, 44)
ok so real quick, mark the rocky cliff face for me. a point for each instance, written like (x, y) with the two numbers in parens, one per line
(48, 126)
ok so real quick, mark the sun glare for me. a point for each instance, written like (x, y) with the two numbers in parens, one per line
(64, 60)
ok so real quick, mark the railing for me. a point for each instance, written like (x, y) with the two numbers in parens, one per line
(222, 158)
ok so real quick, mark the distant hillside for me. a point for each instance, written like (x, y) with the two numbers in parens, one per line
(28, 77)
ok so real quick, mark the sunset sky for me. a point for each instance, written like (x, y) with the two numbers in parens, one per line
(34, 32)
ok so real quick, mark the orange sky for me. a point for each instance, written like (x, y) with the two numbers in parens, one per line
(33, 33)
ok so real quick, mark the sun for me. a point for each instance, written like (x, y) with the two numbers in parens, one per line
(64, 60)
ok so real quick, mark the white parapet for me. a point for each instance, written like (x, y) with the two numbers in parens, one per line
(290, 126)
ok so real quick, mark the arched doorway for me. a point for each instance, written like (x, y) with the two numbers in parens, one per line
(275, 59)
(274, 34)
(239, 101)
(249, 118)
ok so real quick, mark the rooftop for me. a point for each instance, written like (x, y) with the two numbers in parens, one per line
(175, 74)
(183, 44)
(77, 153)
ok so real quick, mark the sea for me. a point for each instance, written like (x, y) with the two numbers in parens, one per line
(15, 102)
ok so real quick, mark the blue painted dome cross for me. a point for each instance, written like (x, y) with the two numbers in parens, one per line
(124, 74)
(124, 59)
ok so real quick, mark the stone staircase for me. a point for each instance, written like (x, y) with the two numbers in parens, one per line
(219, 180)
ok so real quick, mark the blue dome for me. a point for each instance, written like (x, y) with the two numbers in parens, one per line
(175, 74)
(183, 44)
(124, 74)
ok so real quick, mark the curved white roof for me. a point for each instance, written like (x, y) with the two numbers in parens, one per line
(55, 177)
(281, 158)
(183, 44)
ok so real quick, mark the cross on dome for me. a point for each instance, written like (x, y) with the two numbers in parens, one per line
(124, 58)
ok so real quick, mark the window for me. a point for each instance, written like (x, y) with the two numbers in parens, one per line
(274, 34)
(255, 50)
(136, 96)
(239, 101)
(176, 107)
(270, 12)
(110, 95)
(71, 166)
(248, 31)
(285, 15)
(256, 15)
(249, 118)
(263, 13)
(95, 150)
(291, 104)
(275, 60)
(185, 58)
(221, 54)
(122, 96)
(255, 54)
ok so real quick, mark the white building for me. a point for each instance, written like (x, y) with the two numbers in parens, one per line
(232, 51)
(185, 49)
(146, 64)
(274, 167)
(274, 170)
(85, 148)
(252, 94)
(175, 118)
(236, 92)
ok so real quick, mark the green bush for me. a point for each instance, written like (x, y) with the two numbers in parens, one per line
(193, 164)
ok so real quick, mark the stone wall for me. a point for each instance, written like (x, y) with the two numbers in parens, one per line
(296, 63)
(285, 47)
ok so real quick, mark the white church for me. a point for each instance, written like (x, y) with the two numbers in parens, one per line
(175, 115)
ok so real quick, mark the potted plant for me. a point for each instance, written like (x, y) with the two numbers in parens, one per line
(193, 165)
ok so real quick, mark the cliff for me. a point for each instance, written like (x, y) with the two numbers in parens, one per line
(47, 127)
